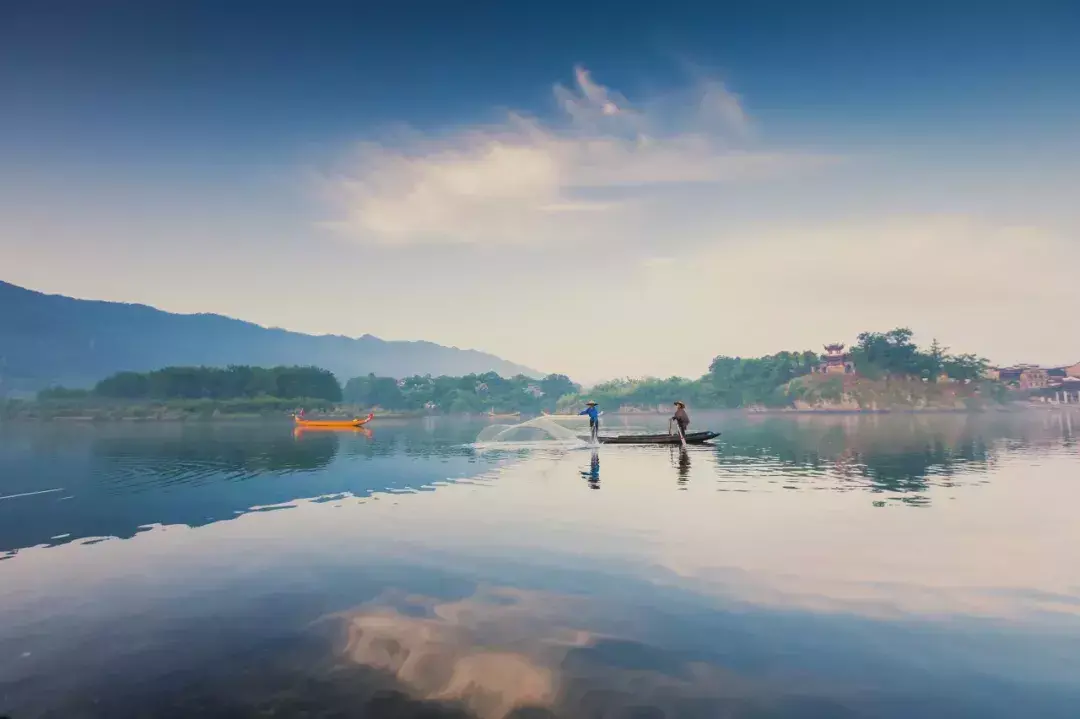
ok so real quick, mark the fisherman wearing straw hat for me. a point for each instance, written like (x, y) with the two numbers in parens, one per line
(594, 419)
(680, 417)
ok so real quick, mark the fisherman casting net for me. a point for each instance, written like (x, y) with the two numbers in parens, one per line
(559, 428)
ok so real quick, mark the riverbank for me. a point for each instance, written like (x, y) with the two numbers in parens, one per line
(816, 394)
(852, 393)
(994, 408)
(30, 414)
(92, 409)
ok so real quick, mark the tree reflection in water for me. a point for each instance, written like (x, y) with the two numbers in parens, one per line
(885, 453)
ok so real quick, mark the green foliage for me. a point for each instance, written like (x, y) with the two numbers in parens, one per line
(743, 382)
(893, 353)
(965, 367)
(372, 391)
(647, 392)
(214, 383)
(880, 354)
(93, 407)
(731, 382)
(775, 380)
(813, 393)
(832, 390)
(62, 393)
(935, 361)
(472, 393)
(557, 385)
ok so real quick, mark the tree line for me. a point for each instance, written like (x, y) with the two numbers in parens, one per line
(882, 354)
(233, 382)
(733, 382)
(472, 393)
(730, 382)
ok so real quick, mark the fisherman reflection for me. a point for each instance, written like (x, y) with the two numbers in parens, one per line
(682, 466)
(592, 475)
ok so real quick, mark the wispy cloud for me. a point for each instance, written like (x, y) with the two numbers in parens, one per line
(720, 239)
(526, 179)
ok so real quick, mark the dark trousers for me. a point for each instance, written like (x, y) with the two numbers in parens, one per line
(594, 429)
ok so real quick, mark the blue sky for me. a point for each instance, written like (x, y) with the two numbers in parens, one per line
(582, 187)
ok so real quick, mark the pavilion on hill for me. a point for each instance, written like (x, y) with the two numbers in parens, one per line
(836, 361)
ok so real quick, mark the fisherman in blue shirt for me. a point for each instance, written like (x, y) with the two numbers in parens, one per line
(594, 419)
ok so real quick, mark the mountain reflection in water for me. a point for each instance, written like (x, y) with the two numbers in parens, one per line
(803, 567)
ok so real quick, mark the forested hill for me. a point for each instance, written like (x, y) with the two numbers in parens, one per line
(52, 339)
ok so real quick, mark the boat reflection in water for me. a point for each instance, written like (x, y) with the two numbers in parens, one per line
(299, 432)
(328, 423)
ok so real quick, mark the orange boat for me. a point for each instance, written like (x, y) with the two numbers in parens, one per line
(300, 432)
(333, 423)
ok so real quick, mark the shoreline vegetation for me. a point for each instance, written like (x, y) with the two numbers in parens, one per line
(881, 373)
(211, 410)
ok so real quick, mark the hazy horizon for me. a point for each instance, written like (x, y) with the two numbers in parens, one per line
(586, 382)
(575, 191)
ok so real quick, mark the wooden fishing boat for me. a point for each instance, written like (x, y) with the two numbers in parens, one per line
(691, 438)
(332, 423)
(504, 415)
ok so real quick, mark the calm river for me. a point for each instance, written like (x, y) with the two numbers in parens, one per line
(803, 566)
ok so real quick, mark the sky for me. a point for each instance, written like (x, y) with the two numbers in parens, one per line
(600, 189)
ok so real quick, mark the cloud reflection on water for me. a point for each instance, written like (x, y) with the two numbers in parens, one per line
(505, 650)
(720, 578)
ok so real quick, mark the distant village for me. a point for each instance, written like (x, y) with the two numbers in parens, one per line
(1051, 384)
(1044, 384)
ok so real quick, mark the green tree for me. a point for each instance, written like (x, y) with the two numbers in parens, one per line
(555, 386)
(742, 382)
(124, 385)
(62, 393)
(878, 354)
(372, 391)
(216, 383)
(965, 367)
(935, 361)
(469, 393)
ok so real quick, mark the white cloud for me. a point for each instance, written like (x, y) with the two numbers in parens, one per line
(518, 181)
(719, 242)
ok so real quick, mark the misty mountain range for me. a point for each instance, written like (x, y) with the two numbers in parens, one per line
(48, 340)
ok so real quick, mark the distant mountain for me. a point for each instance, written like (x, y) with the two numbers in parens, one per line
(52, 339)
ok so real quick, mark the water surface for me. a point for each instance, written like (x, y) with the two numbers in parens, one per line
(804, 566)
